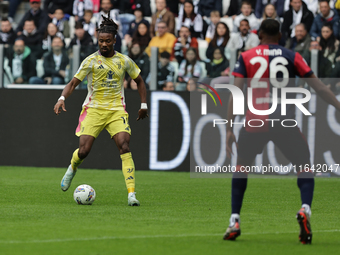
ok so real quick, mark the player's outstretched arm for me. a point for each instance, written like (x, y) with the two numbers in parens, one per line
(69, 88)
(323, 91)
(143, 111)
(239, 82)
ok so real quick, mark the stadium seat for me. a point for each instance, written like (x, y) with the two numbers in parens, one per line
(71, 23)
(67, 42)
(225, 6)
(124, 47)
(149, 19)
(229, 22)
(40, 68)
(8, 78)
(204, 70)
(176, 66)
(202, 48)
(153, 7)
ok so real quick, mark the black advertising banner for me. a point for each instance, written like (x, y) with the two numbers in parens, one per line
(176, 136)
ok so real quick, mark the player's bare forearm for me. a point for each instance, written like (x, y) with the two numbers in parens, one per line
(143, 112)
(67, 91)
(141, 88)
(323, 91)
(70, 87)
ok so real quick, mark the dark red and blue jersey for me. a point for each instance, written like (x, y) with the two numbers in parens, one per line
(267, 67)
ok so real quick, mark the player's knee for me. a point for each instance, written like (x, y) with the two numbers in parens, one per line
(124, 148)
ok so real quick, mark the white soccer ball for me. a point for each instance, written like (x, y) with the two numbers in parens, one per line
(84, 195)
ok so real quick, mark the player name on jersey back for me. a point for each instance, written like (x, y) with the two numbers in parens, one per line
(268, 52)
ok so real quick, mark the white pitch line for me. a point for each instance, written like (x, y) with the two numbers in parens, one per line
(146, 236)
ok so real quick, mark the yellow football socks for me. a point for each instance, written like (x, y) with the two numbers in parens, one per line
(75, 161)
(128, 168)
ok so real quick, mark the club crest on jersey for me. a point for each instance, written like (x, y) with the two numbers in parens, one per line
(119, 65)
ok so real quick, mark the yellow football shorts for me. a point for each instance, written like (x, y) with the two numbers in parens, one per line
(92, 121)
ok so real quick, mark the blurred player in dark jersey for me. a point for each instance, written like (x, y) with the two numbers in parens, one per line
(266, 67)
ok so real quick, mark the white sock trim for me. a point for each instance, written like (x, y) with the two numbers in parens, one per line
(307, 209)
(232, 219)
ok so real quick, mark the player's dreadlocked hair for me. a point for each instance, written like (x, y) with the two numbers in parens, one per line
(108, 26)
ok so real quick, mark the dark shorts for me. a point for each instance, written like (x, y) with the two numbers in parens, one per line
(290, 141)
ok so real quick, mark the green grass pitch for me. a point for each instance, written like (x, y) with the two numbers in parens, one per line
(178, 215)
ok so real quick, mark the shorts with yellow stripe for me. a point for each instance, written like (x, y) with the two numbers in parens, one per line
(92, 121)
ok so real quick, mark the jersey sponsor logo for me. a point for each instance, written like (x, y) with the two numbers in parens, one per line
(110, 75)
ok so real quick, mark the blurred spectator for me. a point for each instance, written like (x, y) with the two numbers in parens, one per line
(55, 63)
(243, 40)
(165, 71)
(52, 31)
(134, 24)
(205, 7)
(326, 15)
(164, 15)
(297, 13)
(191, 85)
(106, 8)
(61, 22)
(36, 14)
(301, 41)
(246, 13)
(164, 40)
(169, 86)
(328, 43)
(7, 34)
(126, 10)
(140, 58)
(50, 6)
(128, 6)
(324, 65)
(181, 7)
(313, 5)
(182, 43)
(87, 24)
(82, 38)
(218, 65)
(191, 20)
(189, 68)
(21, 62)
(214, 18)
(79, 8)
(32, 38)
(220, 39)
(270, 13)
(142, 35)
(261, 4)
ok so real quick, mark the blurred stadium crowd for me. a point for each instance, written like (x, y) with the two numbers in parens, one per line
(195, 39)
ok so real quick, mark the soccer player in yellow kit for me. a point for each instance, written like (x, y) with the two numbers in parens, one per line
(104, 106)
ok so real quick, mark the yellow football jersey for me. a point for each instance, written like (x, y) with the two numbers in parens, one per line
(105, 77)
